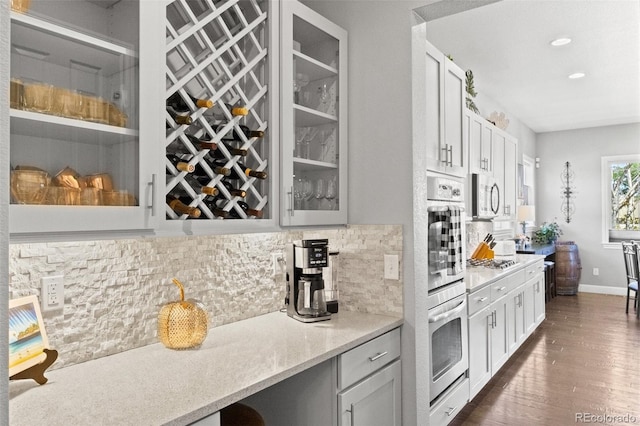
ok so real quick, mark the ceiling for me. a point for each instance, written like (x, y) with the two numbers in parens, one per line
(507, 46)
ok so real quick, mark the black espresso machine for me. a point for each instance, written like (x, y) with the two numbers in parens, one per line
(305, 297)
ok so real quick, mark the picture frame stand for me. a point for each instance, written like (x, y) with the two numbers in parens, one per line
(36, 372)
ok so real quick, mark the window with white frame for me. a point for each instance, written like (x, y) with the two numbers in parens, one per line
(621, 198)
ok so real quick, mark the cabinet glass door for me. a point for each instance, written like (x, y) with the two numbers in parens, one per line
(75, 142)
(314, 127)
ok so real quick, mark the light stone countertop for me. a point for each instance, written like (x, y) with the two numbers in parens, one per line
(477, 277)
(154, 385)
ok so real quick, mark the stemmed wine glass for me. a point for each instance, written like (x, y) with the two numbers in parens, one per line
(298, 193)
(320, 191)
(324, 97)
(301, 133)
(331, 192)
(302, 81)
(307, 142)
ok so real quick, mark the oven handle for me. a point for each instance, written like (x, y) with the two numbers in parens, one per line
(448, 313)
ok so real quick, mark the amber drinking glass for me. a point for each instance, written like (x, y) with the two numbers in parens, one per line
(28, 186)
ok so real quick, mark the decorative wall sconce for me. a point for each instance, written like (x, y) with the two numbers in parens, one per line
(568, 193)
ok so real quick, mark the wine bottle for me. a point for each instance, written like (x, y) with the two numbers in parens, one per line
(247, 171)
(237, 110)
(219, 169)
(247, 210)
(234, 136)
(179, 119)
(180, 164)
(216, 205)
(199, 185)
(235, 192)
(176, 101)
(180, 206)
(233, 151)
(202, 143)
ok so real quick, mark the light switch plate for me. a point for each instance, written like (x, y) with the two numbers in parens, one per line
(391, 267)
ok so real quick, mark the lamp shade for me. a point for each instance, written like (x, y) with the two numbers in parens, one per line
(526, 213)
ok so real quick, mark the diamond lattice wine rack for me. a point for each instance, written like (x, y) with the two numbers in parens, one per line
(216, 51)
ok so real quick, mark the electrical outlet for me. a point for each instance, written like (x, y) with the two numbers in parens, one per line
(277, 261)
(391, 267)
(52, 293)
(596, 271)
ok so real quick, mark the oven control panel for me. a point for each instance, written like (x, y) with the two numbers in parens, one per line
(444, 189)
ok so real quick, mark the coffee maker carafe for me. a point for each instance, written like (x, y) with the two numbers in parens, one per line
(305, 298)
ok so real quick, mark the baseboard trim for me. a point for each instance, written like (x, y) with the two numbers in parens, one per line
(602, 289)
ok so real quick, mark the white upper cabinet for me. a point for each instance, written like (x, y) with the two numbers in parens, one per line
(76, 144)
(505, 161)
(446, 139)
(479, 138)
(313, 75)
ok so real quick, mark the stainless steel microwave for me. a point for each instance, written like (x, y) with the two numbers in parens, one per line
(485, 196)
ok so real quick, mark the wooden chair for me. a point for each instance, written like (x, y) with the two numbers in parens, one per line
(630, 251)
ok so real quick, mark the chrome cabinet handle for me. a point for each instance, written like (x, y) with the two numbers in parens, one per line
(451, 410)
(152, 184)
(290, 193)
(501, 289)
(378, 356)
(495, 319)
(482, 299)
(450, 156)
(445, 152)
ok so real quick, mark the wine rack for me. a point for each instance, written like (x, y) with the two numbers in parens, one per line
(217, 51)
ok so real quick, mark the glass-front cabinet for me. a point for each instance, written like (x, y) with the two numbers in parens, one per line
(76, 151)
(313, 118)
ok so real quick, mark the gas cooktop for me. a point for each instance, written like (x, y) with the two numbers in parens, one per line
(492, 263)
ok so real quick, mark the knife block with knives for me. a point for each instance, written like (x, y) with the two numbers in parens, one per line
(484, 250)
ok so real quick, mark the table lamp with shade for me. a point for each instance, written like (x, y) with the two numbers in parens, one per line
(526, 214)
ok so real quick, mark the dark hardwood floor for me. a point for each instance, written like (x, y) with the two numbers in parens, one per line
(583, 360)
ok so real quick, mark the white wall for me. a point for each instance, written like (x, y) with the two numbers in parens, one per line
(380, 154)
(583, 149)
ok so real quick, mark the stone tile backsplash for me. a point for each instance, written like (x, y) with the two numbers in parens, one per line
(115, 288)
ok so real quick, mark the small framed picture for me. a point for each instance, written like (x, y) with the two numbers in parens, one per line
(27, 336)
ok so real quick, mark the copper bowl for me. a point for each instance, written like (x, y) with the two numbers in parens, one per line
(29, 186)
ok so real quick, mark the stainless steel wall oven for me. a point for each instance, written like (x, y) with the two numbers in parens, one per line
(447, 304)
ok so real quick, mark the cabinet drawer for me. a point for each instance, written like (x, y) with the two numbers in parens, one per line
(365, 359)
(532, 270)
(499, 289)
(444, 411)
(479, 299)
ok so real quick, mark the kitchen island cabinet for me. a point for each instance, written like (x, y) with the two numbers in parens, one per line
(156, 385)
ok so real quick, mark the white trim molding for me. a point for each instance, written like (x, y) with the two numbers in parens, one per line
(602, 289)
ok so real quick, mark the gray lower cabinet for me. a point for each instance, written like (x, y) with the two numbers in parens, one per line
(374, 401)
(359, 387)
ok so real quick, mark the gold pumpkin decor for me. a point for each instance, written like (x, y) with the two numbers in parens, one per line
(182, 324)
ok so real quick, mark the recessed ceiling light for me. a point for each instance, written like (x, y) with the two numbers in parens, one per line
(576, 75)
(561, 41)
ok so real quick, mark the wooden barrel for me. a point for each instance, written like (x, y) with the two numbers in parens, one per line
(568, 268)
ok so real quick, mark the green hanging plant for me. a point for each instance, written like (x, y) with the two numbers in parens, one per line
(471, 92)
